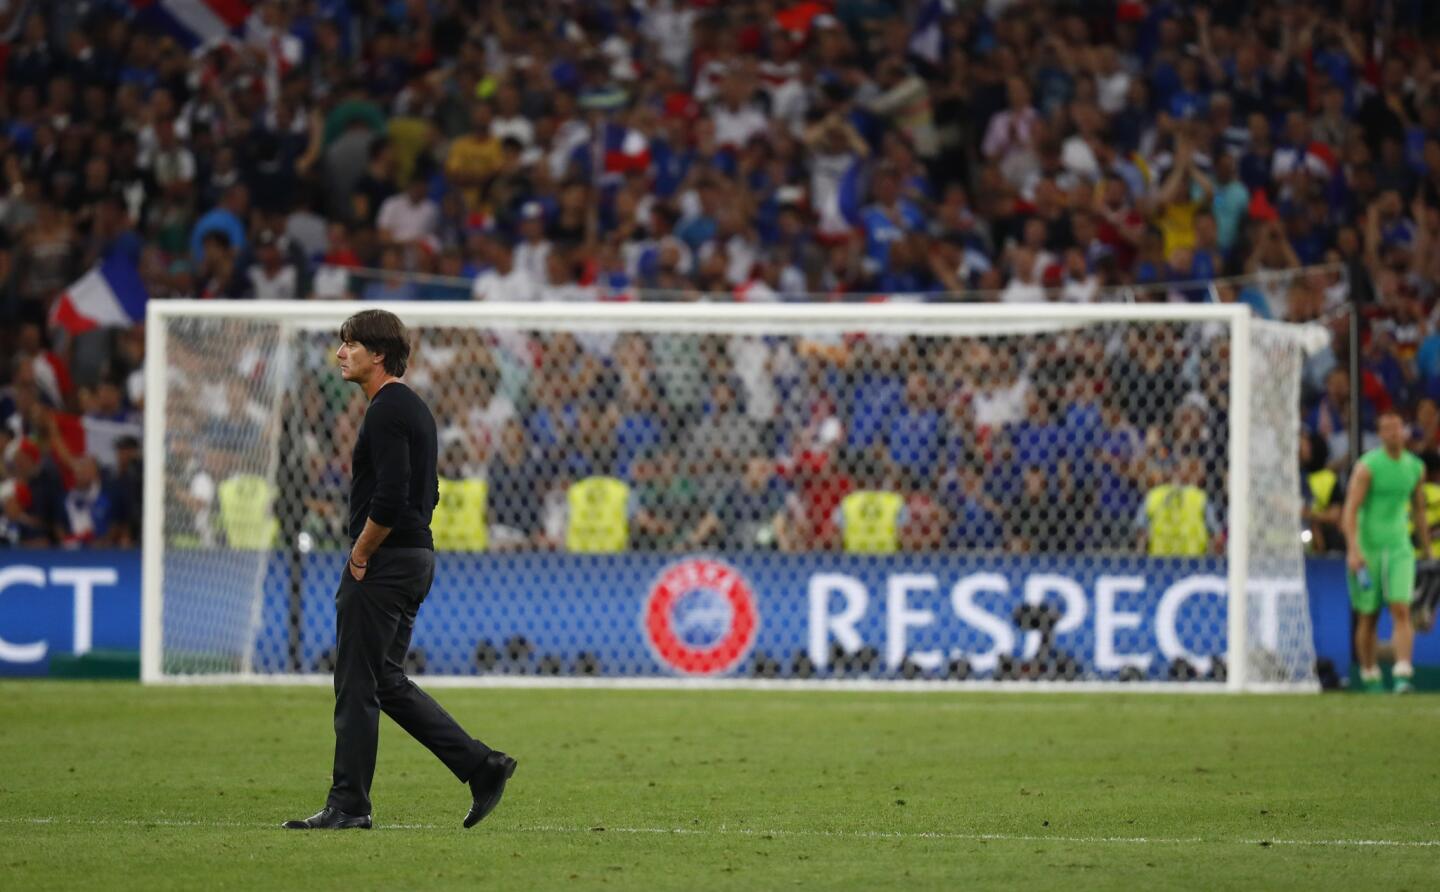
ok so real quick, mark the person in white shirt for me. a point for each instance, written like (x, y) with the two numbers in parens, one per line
(1077, 153)
(1112, 81)
(532, 254)
(1012, 134)
(571, 135)
(271, 277)
(1023, 286)
(170, 163)
(505, 281)
(267, 29)
(1081, 285)
(736, 119)
(409, 216)
(835, 148)
(508, 119)
(668, 24)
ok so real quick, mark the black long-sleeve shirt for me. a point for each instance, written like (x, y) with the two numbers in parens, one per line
(394, 480)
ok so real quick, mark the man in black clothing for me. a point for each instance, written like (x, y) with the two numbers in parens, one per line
(387, 576)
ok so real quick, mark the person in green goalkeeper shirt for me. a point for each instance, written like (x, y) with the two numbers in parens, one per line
(1379, 554)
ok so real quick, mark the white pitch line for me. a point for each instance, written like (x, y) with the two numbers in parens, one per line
(746, 831)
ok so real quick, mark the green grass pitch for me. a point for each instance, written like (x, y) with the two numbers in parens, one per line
(115, 786)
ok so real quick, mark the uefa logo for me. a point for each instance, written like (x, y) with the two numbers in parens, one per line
(700, 617)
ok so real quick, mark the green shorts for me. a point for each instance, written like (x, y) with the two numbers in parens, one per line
(1392, 578)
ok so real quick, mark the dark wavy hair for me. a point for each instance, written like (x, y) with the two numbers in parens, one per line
(383, 334)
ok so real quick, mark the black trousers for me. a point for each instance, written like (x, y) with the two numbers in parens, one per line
(374, 621)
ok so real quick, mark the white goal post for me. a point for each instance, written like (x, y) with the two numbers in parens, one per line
(1049, 466)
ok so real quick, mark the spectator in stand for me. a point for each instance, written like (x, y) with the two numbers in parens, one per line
(226, 218)
(87, 512)
(1012, 135)
(219, 273)
(976, 520)
(888, 219)
(272, 276)
(719, 442)
(668, 512)
(1034, 515)
(475, 157)
(818, 483)
(505, 280)
(128, 493)
(514, 480)
(409, 217)
(1330, 418)
(914, 434)
(29, 493)
(391, 283)
(748, 515)
(1425, 432)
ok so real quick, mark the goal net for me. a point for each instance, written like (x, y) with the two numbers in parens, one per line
(836, 493)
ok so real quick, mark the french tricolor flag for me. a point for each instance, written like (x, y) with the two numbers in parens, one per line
(194, 22)
(111, 294)
(626, 151)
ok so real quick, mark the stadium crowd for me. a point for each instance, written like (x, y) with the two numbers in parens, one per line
(1010, 150)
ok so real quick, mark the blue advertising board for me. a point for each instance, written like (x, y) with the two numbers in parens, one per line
(657, 615)
(654, 615)
(66, 602)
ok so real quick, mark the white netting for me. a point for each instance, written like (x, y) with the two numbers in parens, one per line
(982, 494)
(1281, 644)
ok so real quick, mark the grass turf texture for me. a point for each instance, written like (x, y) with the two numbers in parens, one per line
(135, 788)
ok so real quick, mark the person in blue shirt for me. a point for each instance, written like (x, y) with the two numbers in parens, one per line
(700, 228)
(1115, 457)
(1188, 99)
(1427, 363)
(1206, 260)
(913, 434)
(1230, 203)
(974, 515)
(875, 392)
(888, 218)
(1037, 440)
(227, 217)
(1255, 163)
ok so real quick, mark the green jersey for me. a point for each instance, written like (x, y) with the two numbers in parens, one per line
(1385, 513)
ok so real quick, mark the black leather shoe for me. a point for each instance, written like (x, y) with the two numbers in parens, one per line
(330, 819)
(488, 785)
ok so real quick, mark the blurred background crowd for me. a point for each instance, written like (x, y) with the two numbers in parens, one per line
(1004, 150)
